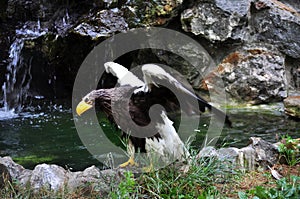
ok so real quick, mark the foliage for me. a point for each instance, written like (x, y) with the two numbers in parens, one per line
(149, 11)
(172, 182)
(126, 189)
(289, 149)
(285, 188)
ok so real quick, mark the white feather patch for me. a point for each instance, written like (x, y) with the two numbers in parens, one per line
(169, 147)
(125, 77)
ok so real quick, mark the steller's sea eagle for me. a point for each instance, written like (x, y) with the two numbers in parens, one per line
(133, 100)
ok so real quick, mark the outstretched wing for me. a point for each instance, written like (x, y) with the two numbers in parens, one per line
(156, 77)
(160, 87)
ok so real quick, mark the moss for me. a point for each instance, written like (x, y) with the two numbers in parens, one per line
(33, 159)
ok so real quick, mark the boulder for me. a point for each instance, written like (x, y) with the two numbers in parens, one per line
(54, 178)
(254, 74)
(215, 20)
(49, 177)
(16, 171)
(292, 106)
(266, 153)
(94, 179)
(275, 22)
(102, 24)
(259, 153)
(268, 21)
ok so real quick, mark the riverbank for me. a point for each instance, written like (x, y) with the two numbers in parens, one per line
(212, 172)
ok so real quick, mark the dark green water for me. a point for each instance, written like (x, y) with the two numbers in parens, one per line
(49, 135)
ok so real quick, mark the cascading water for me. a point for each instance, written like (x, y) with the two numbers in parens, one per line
(18, 77)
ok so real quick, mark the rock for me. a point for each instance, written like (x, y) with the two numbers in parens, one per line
(49, 177)
(3, 7)
(269, 21)
(247, 158)
(247, 79)
(16, 171)
(185, 67)
(292, 106)
(54, 178)
(215, 20)
(276, 23)
(208, 151)
(266, 154)
(102, 24)
(230, 154)
(94, 179)
(258, 153)
(24, 10)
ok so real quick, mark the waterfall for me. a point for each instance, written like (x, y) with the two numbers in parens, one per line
(18, 77)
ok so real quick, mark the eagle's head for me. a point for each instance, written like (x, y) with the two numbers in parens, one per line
(87, 102)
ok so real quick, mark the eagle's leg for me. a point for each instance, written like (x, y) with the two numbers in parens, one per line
(130, 161)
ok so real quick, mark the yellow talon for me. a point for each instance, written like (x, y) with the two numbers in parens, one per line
(130, 162)
(148, 169)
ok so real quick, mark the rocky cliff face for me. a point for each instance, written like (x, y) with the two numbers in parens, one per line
(255, 44)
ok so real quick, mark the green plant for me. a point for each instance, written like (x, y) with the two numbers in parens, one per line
(126, 189)
(285, 188)
(289, 149)
(149, 11)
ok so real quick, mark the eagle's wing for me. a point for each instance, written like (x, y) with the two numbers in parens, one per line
(125, 77)
(155, 76)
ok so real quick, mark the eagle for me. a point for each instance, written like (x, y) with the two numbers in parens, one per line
(143, 111)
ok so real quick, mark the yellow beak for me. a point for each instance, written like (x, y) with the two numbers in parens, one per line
(82, 107)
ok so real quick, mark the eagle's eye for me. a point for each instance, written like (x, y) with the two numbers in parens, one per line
(86, 100)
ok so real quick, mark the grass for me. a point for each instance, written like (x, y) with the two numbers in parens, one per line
(171, 182)
(210, 178)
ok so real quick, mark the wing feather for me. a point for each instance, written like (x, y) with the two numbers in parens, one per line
(154, 76)
(125, 77)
